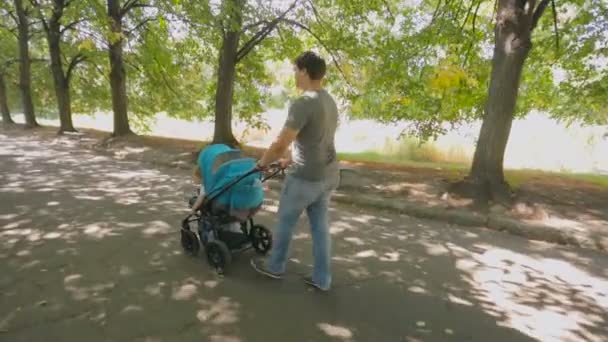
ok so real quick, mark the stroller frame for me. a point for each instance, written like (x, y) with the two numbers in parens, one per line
(219, 252)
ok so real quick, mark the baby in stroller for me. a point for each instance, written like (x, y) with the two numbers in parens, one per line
(230, 194)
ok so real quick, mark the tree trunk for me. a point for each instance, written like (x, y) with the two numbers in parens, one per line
(486, 179)
(6, 114)
(118, 78)
(24, 66)
(225, 90)
(62, 87)
(225, 79)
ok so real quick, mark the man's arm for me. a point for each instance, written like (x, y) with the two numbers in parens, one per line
(278, 148)
(198, 203)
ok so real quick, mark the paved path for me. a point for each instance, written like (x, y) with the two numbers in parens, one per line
(89, 251)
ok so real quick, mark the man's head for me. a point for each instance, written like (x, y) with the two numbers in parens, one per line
(309, 70)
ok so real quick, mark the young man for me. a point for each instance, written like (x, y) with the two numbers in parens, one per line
(311, 126)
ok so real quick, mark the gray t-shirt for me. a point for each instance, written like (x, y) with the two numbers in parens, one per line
(315, 116)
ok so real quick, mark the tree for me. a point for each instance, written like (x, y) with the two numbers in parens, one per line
(20, 16)
(430, 67)
(8, 40)
(226, 73)
(237, 28)
(515, 23)
(118, 77)
(230, 55)
(6, 114)
(54, 30)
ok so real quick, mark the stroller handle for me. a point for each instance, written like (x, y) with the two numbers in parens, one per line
(227, 187)
(187, 220)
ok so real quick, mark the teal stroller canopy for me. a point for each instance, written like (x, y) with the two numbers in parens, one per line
(220, 166)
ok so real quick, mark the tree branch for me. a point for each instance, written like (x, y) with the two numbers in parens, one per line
(470, 46)
(73, 63)
(466, 18)
(255, 40)
(12, 31)
(388, 9)
(100, 71)
(281, 37)
(36, 4)
(458, 10)
(555, 26)
(316, 13)
(138, 26)
(263, 33)
(163, 75)
(131, 4)
(538, 13)
(333, 57)
(127, 6)
(13, 16)
(71, 25)
(435, 12)
(475, 15)
(250, 26)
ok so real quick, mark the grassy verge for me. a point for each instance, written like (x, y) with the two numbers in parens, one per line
(454, 170)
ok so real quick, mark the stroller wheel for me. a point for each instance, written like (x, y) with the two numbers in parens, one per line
(261, 239)
(218, 255)
(189, 242)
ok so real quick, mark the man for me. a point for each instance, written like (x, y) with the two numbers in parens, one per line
(311, 126)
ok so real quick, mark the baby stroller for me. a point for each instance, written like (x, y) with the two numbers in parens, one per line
(233, 194)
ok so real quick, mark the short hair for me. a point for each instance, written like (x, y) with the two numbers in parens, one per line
(313, 64)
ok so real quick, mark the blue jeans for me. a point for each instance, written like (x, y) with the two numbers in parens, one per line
(299, 195)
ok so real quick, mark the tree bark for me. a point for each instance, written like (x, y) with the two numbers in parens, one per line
(62, 86)
(6, 114)
(226, 77)
(486, 179)
(25, 73)
(118, 77)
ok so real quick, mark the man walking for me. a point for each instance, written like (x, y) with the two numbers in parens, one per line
(311, 126)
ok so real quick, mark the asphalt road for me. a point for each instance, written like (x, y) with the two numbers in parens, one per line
(89, 251)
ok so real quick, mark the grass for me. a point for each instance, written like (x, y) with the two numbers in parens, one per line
(379, 158)
(517, 177)
(457, 170)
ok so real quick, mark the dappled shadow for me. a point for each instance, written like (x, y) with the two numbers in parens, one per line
(90, 248)
(545, 292)
(573, 206)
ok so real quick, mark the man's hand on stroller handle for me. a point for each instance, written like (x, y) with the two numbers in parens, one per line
(280, 164)
(198, 203)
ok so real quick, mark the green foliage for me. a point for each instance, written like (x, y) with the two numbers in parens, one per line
(426, 65)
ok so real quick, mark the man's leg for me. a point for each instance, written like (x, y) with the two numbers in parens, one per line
(295, 197)
(321, 240)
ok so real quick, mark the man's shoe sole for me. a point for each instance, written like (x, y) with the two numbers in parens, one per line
(264, 272)
(309, 282)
